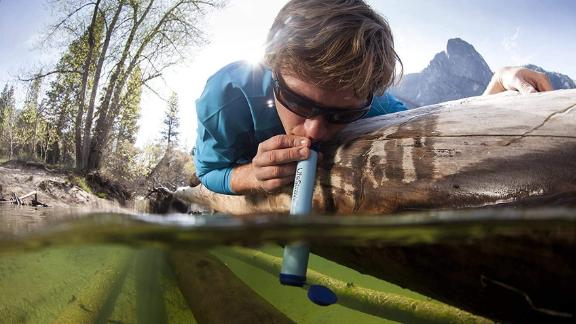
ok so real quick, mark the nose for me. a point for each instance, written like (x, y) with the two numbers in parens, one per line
(316, 128)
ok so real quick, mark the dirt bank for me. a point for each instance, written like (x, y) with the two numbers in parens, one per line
(55, 188)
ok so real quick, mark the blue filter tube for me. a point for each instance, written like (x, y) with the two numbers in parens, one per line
(295, 260)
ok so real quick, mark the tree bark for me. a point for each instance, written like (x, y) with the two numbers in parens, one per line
(107, 116)
(100, 136)
(96, 80)
(476, 152)
(82, 95)
(208, 284)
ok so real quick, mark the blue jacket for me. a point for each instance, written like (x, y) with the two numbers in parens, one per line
(236, 113)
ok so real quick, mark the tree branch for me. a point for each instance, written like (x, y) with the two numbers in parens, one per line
(42, 75)
(155, 92)
(58, 25)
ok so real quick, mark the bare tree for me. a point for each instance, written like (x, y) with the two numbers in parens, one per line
(159, 33)
(119, 37)
(84, 86)
(96, 80)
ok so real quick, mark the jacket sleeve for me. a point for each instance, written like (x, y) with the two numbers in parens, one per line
(385, 104)
(223, 123)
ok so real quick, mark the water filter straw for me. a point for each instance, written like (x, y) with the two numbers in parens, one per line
(295, 259)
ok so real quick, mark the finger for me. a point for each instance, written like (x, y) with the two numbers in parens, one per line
(276, 172)
(526, 88)
(283, 141)
(523, 85)
(275, 184)
(281, 156)
(544, 84)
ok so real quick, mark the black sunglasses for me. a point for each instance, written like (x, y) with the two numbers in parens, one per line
(307, 108)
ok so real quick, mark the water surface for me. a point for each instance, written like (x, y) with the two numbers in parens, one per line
(77, 267)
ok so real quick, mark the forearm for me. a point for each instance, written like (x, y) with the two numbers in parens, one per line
(243, 181)
(495, 86)
(519, 79)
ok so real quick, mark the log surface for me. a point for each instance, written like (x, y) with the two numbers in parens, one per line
(484, 151)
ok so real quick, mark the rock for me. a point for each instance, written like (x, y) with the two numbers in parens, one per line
(459, 72)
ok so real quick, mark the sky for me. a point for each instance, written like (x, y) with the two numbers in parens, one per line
(504, 32)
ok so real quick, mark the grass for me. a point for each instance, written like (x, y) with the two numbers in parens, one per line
(81, 183)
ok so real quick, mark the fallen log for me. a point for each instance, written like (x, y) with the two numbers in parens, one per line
(19, 200)
(216, 295)
(483, 151)
(495, 151)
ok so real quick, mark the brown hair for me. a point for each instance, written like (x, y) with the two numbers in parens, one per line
(333, 44)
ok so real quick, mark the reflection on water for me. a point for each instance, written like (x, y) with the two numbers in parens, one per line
(72, 267)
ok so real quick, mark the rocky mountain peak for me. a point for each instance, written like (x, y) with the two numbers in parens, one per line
(458, 72)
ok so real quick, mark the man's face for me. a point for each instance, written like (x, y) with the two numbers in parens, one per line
(316, 128)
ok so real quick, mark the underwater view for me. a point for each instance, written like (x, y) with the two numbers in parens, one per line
(72, 267)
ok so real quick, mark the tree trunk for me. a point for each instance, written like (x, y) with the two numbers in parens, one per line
(207, 284)
(94, 159)
(90, 113)
(106, 119)
(82, 95)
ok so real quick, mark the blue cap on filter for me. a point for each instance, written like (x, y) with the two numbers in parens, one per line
(321, 295)
(292, 280)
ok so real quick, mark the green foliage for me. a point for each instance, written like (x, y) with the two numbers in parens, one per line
(150, 156)
(63, 98)
(174, 169)
(171, 122)
(130, 108)
(90, 109)
(30, 123)
(80, 182)
(7, 121)
(121, 164)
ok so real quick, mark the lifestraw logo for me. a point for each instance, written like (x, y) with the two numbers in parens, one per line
(297, 182)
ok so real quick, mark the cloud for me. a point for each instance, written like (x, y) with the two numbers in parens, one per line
(513, 47)
(511, 43)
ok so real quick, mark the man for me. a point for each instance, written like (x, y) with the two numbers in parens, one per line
(327, 64)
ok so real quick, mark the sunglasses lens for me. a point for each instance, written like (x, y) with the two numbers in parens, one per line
(303, 108)
(293, 103)
(345, 117)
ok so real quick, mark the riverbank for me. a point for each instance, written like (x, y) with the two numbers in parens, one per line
(53, 187)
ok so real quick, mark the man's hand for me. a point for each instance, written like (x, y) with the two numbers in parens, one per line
(273, 166)
(519, 79)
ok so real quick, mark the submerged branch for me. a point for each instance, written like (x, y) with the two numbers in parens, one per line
(381, 304)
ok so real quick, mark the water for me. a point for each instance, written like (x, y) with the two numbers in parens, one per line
(77, 267)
